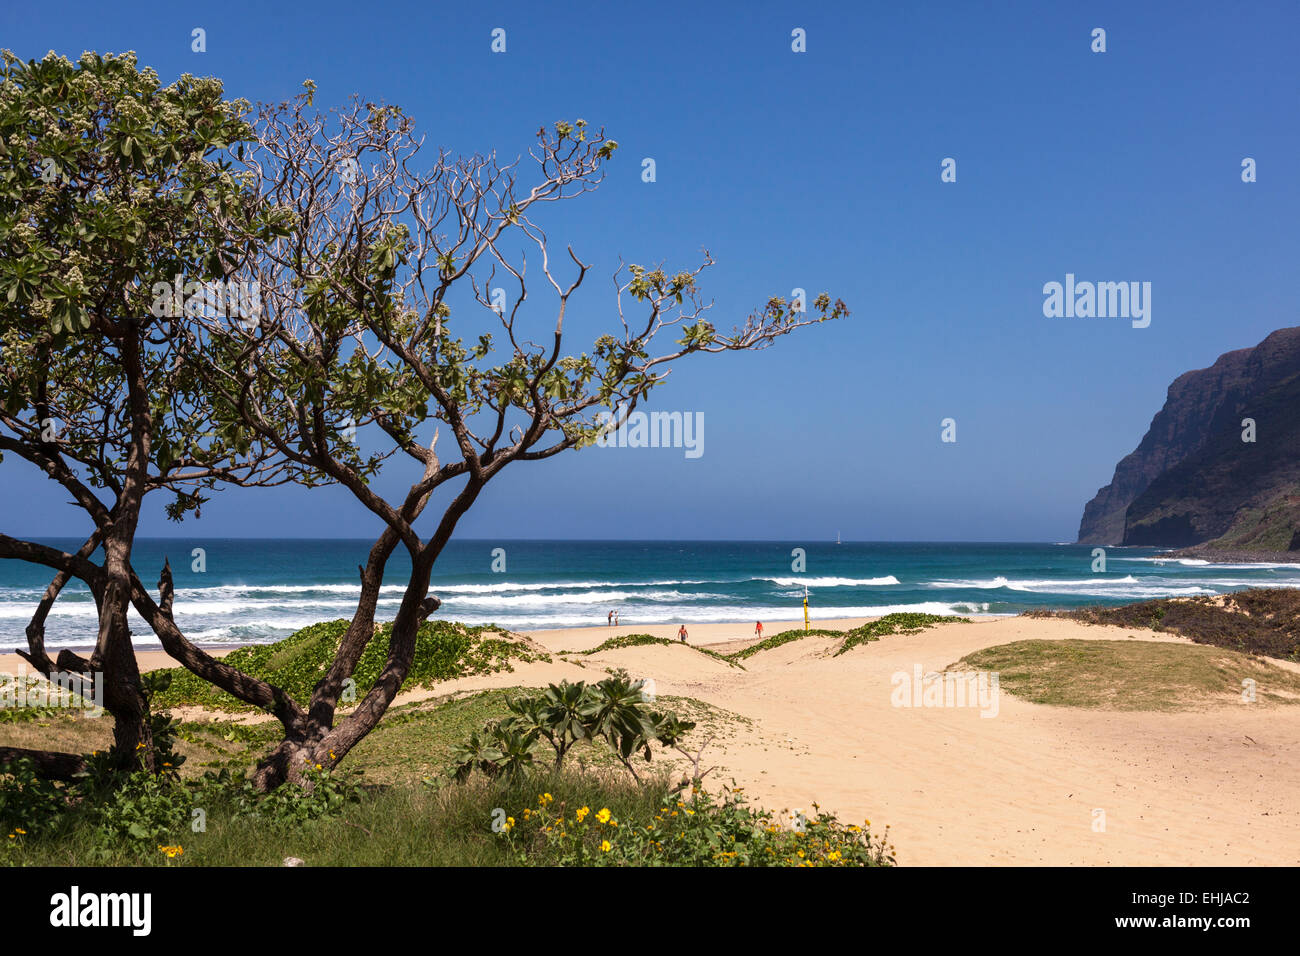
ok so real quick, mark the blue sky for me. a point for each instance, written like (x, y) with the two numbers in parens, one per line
(821, 170)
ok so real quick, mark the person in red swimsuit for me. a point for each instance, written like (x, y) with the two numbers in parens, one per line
(758, 629)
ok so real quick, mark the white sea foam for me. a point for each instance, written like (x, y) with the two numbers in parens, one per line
(1215, 565)
(1125, 587)
(240, 612)
(831, 582)
(1047, 584)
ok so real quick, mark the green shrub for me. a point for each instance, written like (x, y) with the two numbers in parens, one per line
(444, 650)
(701, 830)
(909, 622)
(641, 640)
(485, 821)
(1258, 621)
(776, 640)
(564, 714)
(28, 802)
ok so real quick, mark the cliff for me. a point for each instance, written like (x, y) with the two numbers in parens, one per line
(1192, 478)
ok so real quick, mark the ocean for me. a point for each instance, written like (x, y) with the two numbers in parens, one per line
(259, 590)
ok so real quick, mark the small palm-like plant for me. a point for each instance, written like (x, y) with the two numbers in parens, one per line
(478, 751)
(516, 747)
(613, 710)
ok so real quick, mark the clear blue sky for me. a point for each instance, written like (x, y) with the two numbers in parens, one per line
(821, 170)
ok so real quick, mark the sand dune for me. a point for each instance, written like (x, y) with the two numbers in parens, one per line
(1209, 786)
(1019, 788)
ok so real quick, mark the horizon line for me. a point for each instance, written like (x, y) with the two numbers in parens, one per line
(498, 539)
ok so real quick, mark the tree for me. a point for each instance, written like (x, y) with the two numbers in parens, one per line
(356, 341)
(115, 186)
(116, 197)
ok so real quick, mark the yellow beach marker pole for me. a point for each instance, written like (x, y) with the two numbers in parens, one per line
(805, 609)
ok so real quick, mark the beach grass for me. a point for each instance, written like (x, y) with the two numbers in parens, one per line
(1258, 621)
(642, 640)
(1131, 675)
(402, 825)
(898, 623)
(411, 745)
(396, 803)
(444, 650)
(777, 640)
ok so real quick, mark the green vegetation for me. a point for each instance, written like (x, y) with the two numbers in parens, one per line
(698, 830)
(593, 818)
(1130, 675)
(640, 640)
(904, 623)
(31, 698)
(901, 623)
(1260, 621)
(399, 806)
(1273, 528)
(776, 640)
(444, 650)
(612, 711)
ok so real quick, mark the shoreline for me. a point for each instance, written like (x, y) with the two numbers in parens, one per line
(1230, 556)
(554, 639)
(734, 630)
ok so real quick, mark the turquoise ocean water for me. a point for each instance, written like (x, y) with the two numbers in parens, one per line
(262, 590)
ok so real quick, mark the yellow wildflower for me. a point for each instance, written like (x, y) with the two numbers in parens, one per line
(604, 846)
(603, 815)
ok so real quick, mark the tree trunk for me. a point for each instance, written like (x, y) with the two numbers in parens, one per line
(326, 745)
(282, 765)
(124, 698)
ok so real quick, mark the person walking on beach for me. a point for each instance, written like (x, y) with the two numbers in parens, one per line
(758, 629)
(609, 618)
(681, 634)
(616, 618)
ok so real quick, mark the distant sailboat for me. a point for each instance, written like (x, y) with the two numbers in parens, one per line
(837, 538)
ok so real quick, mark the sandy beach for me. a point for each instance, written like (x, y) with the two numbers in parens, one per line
(1208, 786)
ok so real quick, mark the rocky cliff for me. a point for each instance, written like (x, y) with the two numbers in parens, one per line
(1192, 478)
